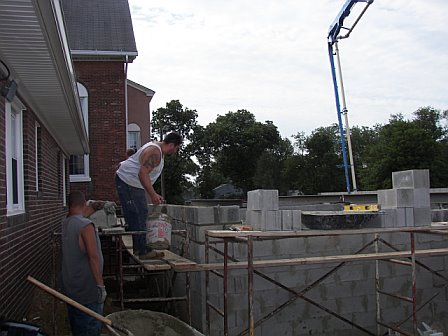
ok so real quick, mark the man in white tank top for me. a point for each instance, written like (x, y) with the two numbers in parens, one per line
(135, 178)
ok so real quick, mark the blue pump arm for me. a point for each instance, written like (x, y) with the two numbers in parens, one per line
(337, 24)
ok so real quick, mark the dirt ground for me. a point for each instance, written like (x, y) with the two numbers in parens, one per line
(41, 314)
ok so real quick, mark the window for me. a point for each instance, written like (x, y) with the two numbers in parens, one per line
(134, 136)
(15, 200)
(79, 164)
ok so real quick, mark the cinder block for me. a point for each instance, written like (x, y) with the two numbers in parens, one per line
(103, 219)
(405, 197)
(364, 319)
(422, 198)
(351, 273)
(297, 220)
(353, 304)
(422, 216)
(418, 178)
(273, 221)
(227, 214)
(254, 218)
(176, 211)
(261, 199)
(291, 220)
(387, 199)
(410, 217)
(265, 220)
(396, 198)
(286, 220)
(388, 218)
(404, 217)
(200, 215)
(398, 217)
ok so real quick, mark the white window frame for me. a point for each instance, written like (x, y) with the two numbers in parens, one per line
(134, 128)
(84, 101)
(14, 147)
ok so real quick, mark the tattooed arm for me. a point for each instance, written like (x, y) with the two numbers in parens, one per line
(149, 159)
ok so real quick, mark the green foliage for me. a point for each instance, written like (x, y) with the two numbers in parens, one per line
(209, 178)
(270, 168)
(401, 145)
(237, 149)
(324, 161)
(180, 167)
(236, 141)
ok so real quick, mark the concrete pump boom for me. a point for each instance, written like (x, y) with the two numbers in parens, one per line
(333, 38)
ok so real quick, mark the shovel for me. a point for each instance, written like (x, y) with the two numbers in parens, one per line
(79, 306)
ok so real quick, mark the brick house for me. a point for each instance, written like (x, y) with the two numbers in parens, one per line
(41, 125)
(139, 114)
(63, 68)
(101, 40)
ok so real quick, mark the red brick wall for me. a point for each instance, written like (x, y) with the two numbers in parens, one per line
(105, 82)
(25, 240)
(139, 112)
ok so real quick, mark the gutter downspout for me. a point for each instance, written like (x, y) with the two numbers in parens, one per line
(126, 99)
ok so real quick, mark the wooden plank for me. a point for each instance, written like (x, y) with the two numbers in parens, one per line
(315, 233)
(147, 264)
(176, 261)
(319, 260)
(169, 260)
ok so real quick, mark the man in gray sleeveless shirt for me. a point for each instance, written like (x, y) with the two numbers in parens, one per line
(82, 265)
(135, 177)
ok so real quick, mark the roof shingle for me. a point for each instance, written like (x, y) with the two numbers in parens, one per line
(99, 25)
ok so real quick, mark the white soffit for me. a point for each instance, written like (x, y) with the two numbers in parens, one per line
(33, 45)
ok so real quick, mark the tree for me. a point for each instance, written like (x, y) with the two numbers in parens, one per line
(429, 118)
(209, 178)
(235, 142)
(180, 168)
(270, 168)
(362, 138)
(323, 161)
(401, 145)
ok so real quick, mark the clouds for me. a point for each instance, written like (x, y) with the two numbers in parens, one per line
(271, 58)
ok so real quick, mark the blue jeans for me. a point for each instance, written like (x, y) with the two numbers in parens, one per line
(135, 210)
(83, 324)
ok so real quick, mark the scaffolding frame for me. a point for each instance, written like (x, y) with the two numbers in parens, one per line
(214, 238)
(117, 270)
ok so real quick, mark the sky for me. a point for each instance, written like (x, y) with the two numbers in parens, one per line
(270, 57)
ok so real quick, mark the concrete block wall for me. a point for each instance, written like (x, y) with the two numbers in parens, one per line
(408, 202)
(197, 220)
(349, 291)
(263, 212)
